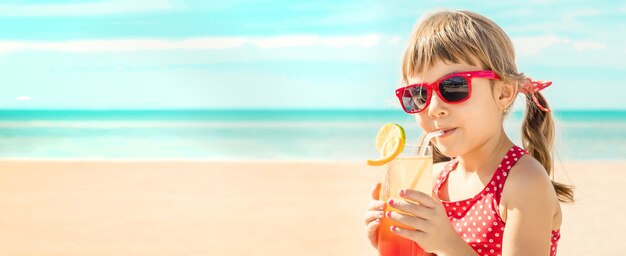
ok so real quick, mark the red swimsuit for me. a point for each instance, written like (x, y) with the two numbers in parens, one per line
(477, 219)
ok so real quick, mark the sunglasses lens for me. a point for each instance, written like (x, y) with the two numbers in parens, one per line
(414, 99)
(454, 89)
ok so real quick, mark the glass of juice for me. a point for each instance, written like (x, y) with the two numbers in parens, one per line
(407, 171)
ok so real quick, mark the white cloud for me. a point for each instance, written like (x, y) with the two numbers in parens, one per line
(587, 45)
(394, 40)
(199, 43)
(286, 41)
(532, 45)
(209, 43)
(311, 40)
(84, 9)
(124, 45)
(346, 41)
(23, 98)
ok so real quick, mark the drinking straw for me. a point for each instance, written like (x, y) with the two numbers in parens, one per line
(427, 139)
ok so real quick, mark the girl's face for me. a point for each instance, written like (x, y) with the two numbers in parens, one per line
(468, 124)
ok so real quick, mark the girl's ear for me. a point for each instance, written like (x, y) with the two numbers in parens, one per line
(505, 94)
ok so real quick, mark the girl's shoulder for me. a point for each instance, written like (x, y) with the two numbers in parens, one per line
(528, 182)
(527, 172)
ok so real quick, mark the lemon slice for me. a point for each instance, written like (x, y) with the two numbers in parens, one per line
(389, 143)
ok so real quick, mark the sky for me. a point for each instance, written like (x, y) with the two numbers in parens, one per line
(158, 54)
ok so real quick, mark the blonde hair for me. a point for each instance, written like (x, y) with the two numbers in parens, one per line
(454, 36)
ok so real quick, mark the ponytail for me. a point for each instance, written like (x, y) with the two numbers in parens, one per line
(537, 139)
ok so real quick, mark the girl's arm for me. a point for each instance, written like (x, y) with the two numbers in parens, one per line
(530, 202)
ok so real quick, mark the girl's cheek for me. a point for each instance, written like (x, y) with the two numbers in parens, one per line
(421, 121)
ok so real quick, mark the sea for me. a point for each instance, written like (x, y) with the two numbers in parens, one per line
(261, 135)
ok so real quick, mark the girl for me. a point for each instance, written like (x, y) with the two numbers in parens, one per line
(490, 197)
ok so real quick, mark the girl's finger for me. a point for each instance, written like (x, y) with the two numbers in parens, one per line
(376, 205)
(414, 235)
(372, 216)
(418, 197)
(412, 208)
(372, 227)
(408, 220)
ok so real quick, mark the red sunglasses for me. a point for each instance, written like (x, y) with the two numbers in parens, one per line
(453, 88)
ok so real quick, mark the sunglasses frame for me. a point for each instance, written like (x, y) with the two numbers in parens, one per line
(430, 87)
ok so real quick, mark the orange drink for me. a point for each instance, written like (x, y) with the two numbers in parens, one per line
(406, 171)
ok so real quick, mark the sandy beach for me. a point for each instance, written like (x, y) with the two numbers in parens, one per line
(241, 208)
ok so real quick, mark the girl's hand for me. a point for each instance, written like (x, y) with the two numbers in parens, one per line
(430, 226)
(372, 217)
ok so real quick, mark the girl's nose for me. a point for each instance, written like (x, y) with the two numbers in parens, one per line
(437, 108)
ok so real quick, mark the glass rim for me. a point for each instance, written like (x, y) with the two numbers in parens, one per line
(416, 145)
(413, 151)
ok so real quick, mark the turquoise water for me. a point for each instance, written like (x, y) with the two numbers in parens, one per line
(259, 135)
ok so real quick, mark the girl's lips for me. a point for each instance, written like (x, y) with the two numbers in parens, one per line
(447, 132)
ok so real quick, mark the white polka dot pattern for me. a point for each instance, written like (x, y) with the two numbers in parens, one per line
(477, 219)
